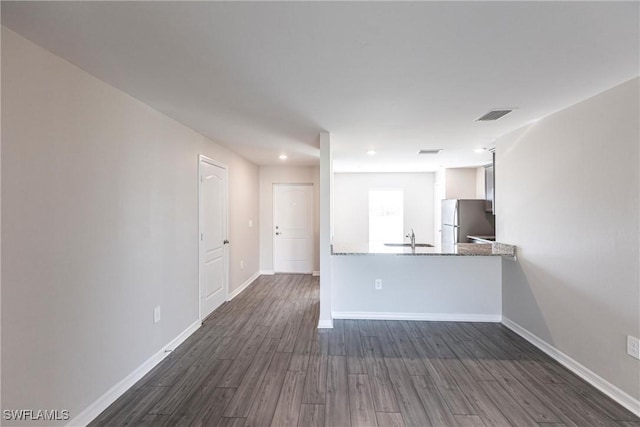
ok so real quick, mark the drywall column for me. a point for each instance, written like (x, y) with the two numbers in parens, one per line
(326, 173)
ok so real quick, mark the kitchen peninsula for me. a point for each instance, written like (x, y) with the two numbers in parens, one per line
(461, 282)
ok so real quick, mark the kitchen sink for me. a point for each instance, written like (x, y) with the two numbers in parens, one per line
(408, 245)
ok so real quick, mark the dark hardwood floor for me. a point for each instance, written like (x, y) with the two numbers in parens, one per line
(259, 360)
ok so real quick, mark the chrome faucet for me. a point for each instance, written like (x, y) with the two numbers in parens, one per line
(412, 236)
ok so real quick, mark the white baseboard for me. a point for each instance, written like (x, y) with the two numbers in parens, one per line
(272, 272)
(103, 402)
(244, 286)
(325, 324)
(440, 317)
(576, 367)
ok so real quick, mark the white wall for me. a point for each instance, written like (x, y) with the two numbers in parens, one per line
(460, 183)
(351, 199)
(270, 175)
(569, 200)
(439, 192)
(480, 190)
(99, 225)
(454, 183)
(244, 178)
(417, 287)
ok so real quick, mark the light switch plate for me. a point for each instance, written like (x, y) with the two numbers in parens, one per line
(156, 314)
(633, 347)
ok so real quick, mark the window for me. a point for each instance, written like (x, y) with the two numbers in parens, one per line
(386, 213)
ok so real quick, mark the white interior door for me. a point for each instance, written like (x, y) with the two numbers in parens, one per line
(293, 228)
(213, 236)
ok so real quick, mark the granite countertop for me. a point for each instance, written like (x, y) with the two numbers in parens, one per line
(461, 249)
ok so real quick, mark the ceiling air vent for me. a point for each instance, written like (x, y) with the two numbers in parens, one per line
(493, 115)
(430, 151)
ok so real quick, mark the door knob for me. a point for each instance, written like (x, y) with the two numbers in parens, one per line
(225, 242)
(278, 233)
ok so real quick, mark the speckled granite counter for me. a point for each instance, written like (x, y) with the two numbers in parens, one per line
(461, 249)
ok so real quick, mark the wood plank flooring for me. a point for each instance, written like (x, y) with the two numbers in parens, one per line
(260, 361)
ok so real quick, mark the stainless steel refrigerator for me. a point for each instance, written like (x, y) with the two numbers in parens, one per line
(463, 217)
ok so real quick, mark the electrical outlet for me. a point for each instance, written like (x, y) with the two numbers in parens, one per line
(156, 314)
(378, 284)
(241, 264)
(250, 223)
(633, 347)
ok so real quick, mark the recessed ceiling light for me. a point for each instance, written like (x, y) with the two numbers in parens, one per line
(479, 150)
(371, 152)
(282, 157)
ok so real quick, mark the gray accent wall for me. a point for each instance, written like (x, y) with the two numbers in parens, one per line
(99, 225)
(567, 195)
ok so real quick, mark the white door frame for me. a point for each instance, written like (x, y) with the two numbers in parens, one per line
(311, 218)
(203, 158)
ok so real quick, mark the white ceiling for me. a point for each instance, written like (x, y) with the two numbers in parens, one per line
(264, 78)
